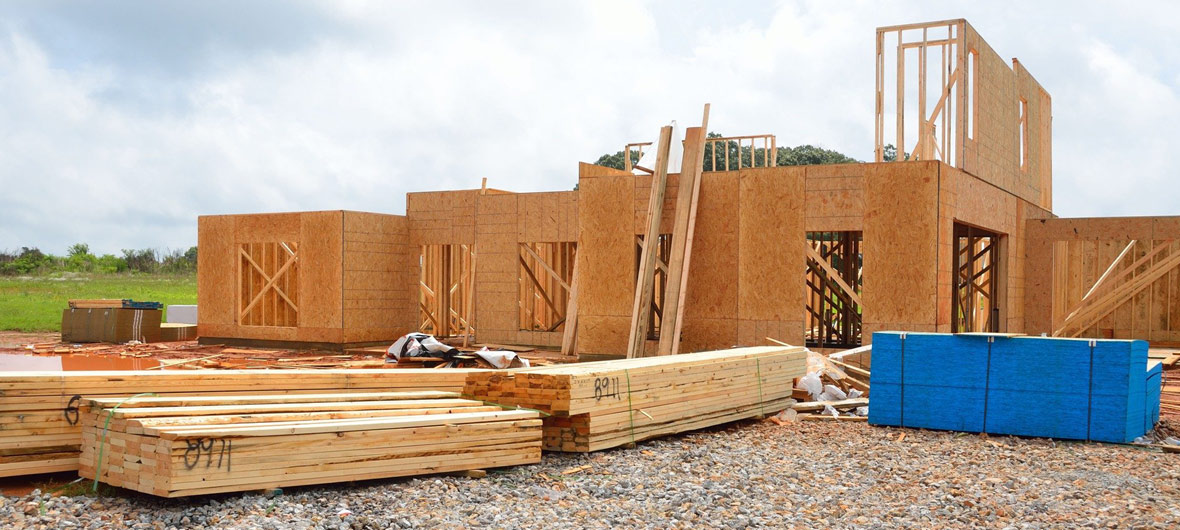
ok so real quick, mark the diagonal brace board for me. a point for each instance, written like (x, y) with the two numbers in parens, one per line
(833, 275)
(271, 281)
(1106, 304)
(1098, 284)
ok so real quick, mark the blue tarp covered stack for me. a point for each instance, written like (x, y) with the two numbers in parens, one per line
(1081, 389)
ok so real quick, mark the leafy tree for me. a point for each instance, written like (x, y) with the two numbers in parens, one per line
(27, 261)
(739, 156)
(78, 249)
(616, 160)
(143, 260)
(889, 153)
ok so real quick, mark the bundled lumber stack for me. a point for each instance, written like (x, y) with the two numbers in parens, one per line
(175, 447)
(1170, 391)
(40, 411)
(1083, 389)
(605, 404)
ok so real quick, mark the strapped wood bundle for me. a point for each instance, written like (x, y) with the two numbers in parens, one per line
(599, 405)
(39, 411)
(174, 447)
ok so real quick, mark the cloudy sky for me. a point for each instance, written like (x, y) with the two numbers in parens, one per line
(120, 122)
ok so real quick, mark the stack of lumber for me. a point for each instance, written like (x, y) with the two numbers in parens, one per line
(175, 447)
(109, 303)
(598, 405)
(40, 416)
(1170, 391)
(1083, 389)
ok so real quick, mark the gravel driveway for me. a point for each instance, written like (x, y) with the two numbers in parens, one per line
(747, 475)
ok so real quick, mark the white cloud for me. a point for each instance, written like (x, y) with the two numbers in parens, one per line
(367, 101)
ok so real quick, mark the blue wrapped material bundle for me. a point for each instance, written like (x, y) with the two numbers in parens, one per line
(1028, 386)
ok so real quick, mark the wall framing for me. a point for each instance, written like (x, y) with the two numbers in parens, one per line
(352, 280)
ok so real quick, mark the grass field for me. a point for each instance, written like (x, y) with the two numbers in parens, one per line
(35, 303)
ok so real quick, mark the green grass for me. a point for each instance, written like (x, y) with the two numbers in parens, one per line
(35, 303)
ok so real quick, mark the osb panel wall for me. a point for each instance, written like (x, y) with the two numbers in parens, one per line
(967, 199)
(377, 277)
(495, 222)
(319, 238)
(771, 252)
(992, 152)
(711, 302)
(441, 217)
(835, 197)
(1066, 257)
(496, 278)
(1037, 174)
(747, 252)
(901, 230)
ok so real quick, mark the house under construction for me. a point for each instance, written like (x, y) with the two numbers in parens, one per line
(952, 230)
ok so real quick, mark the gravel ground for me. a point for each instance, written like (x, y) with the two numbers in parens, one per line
(752, 474)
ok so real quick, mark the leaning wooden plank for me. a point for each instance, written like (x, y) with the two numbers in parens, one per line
(569, 337)
(645, 286)
(688, 195)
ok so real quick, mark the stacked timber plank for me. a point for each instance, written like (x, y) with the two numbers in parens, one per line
(40, 411)
(174, 447)
(1170, 386)
(1084, 389)
(598, 405)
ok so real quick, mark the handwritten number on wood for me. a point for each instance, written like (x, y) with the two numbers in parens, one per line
(214, 451)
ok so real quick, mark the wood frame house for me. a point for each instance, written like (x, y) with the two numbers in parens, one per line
(949, 231)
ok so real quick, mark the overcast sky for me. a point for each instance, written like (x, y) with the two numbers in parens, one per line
(121, 122)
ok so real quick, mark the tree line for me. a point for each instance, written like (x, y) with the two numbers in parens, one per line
(731, 156)
(31, 260)
(739, 156)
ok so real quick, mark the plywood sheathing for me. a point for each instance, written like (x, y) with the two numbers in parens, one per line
(993, 153)
(606, 257)
(771, 253)
(495, 223)
(324, 289)
(378, 272)
(1066, 257)
(967, 199)
(835, 197)
(901, 251)
(748, 243)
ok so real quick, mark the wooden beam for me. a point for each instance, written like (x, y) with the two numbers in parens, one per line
(835, 276)
(1126, 274)
(540, 288)
(686, 215)
(1112, 300)
(569, 339)
(645, 283)
(544, 265)
(1102, 279)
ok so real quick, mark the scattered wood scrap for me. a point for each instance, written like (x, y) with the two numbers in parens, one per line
(176, 448)
(845, 404)
(828, 417)
(605, 404)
